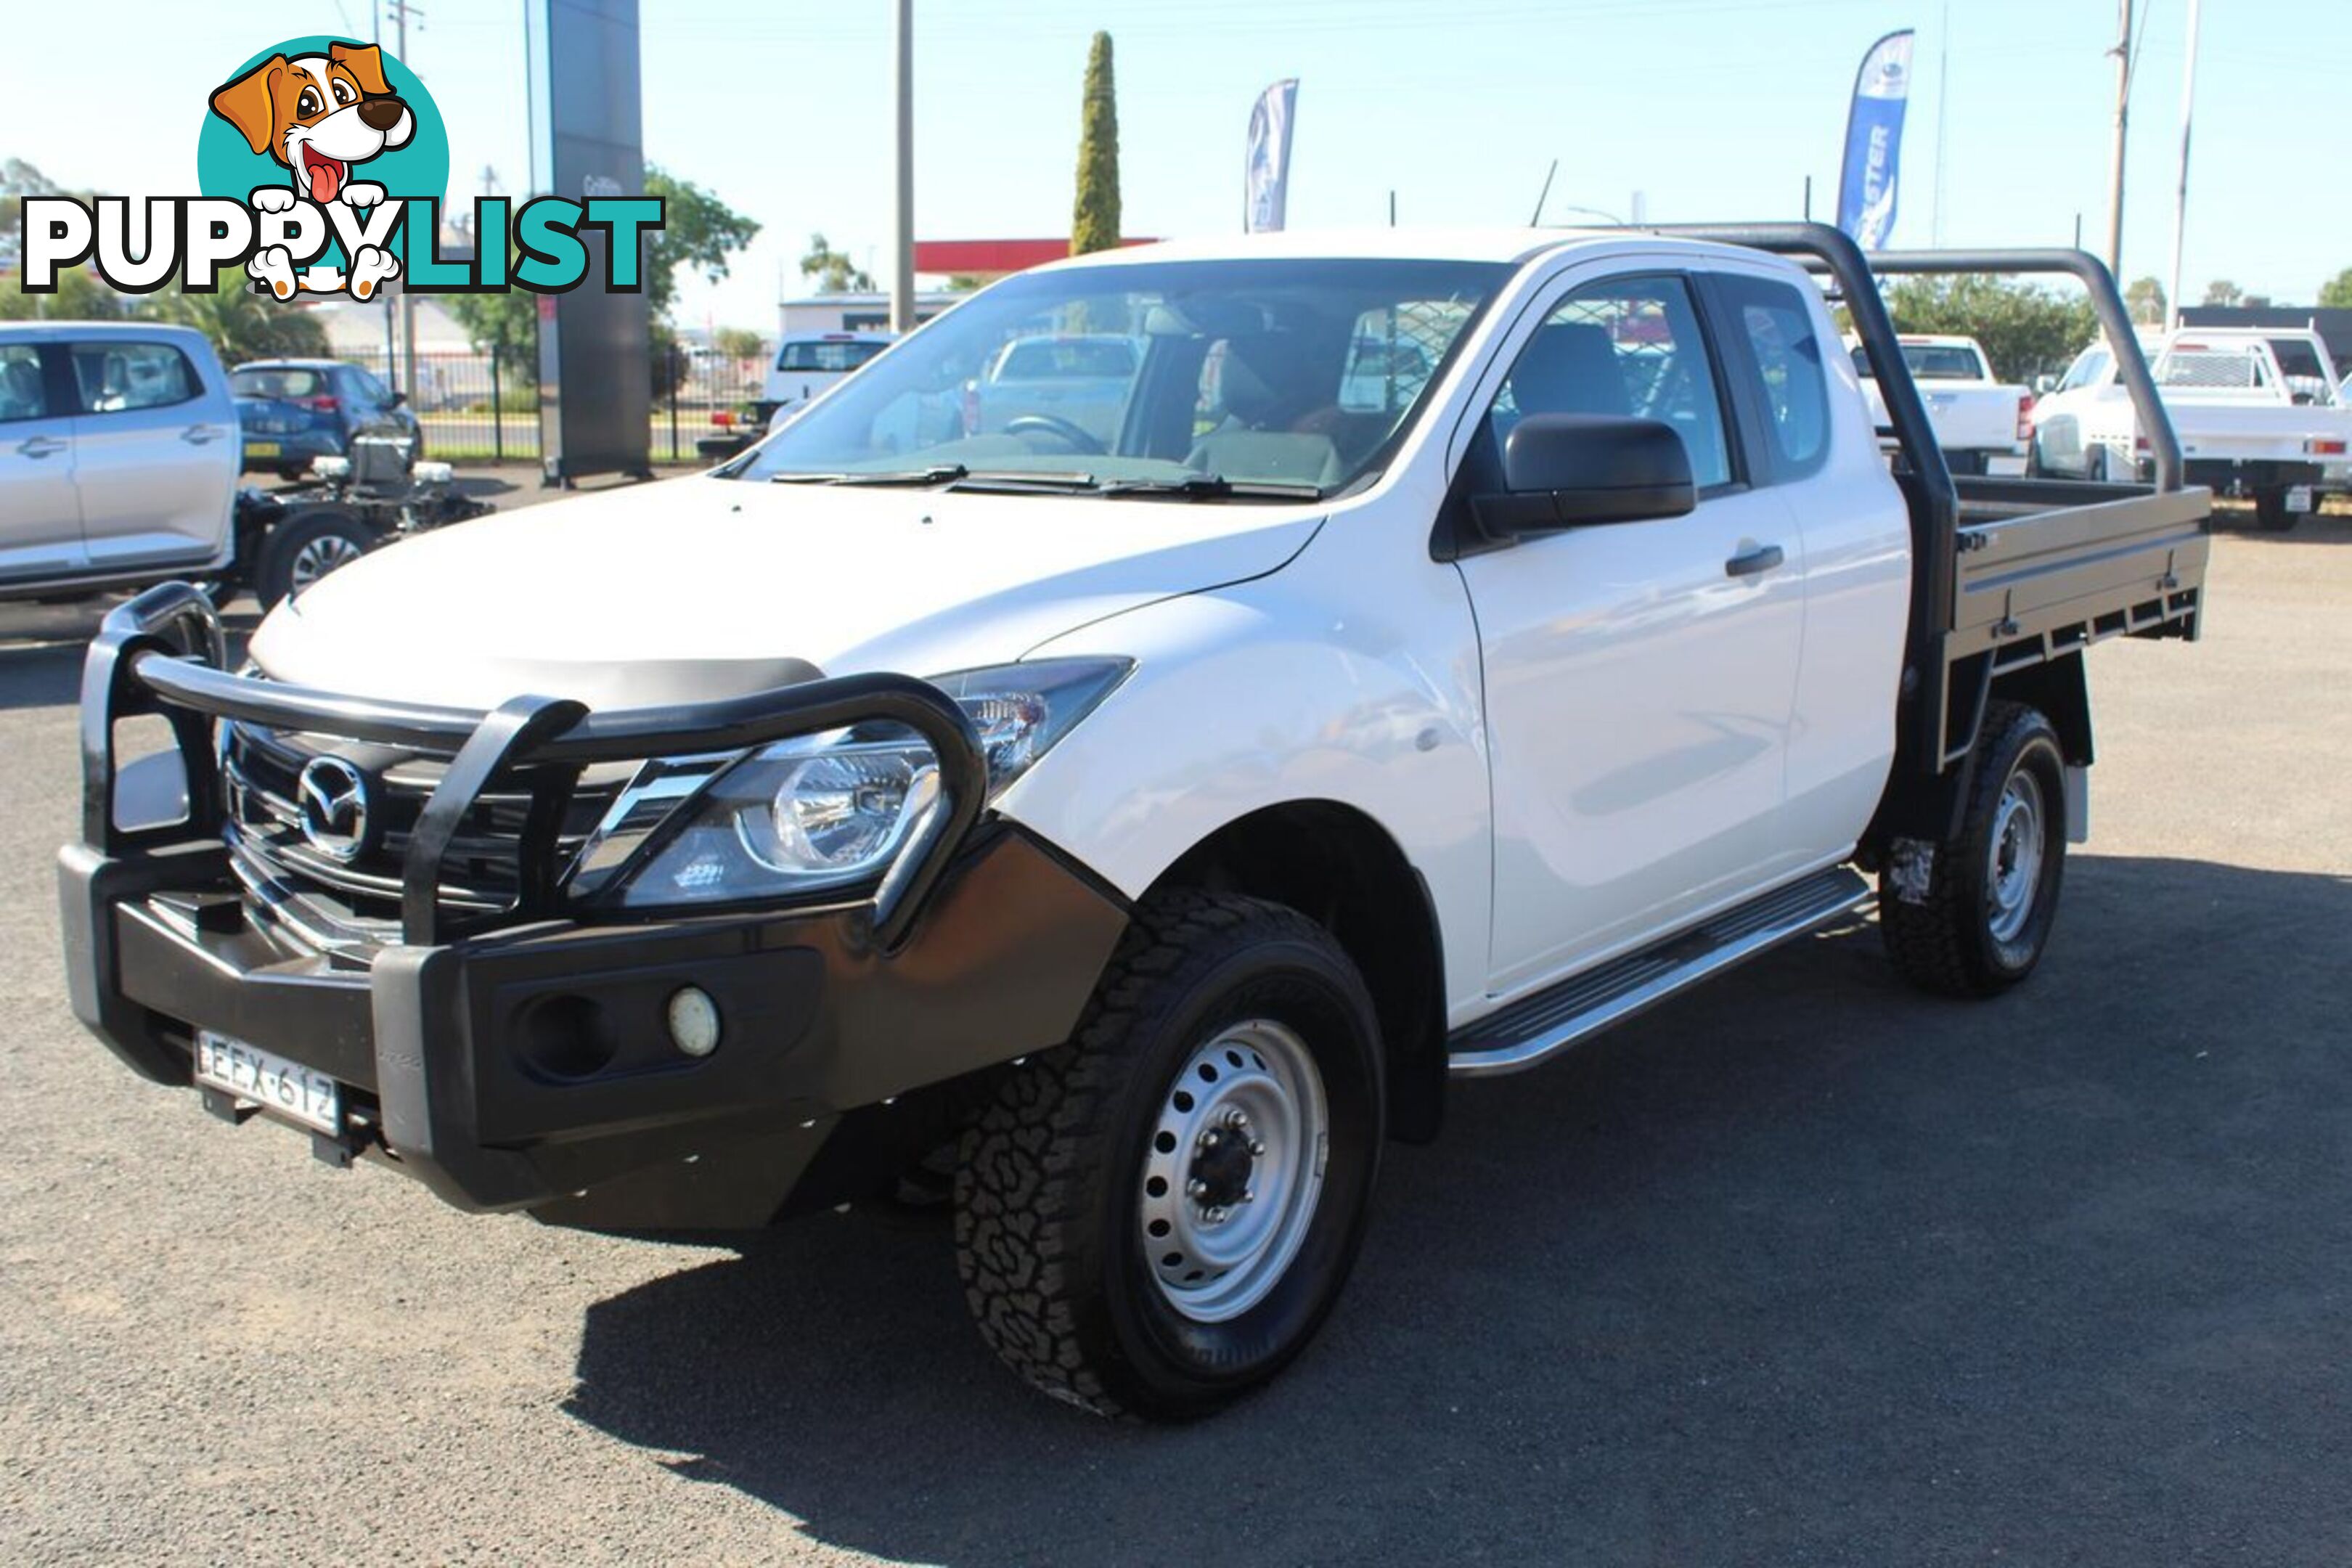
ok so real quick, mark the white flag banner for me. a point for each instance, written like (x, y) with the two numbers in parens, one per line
(1265, 191)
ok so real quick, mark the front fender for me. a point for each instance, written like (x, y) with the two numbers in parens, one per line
(1292, 687)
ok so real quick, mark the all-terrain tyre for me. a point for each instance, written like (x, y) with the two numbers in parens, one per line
(1993, 894)
(1154, 1218)
(304, 548)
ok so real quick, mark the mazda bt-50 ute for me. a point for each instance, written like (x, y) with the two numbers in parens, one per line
(1441, 647)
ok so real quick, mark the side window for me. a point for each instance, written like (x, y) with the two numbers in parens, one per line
(22, 393)
(2090, 368)
(117, 376)
(1784, 366)
(369, 388)
(1627, 346)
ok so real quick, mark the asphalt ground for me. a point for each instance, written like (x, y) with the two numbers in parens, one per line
(1806, 1268)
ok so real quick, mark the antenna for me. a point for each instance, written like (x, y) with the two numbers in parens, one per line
(1544, 194)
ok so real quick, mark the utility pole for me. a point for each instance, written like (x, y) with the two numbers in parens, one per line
(401, 12)
(2123, 53)
(2180, 199)
(902, 226)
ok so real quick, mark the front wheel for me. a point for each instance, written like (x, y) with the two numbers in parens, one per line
(1155, 1219)
(1993, 894)
(2271, 513)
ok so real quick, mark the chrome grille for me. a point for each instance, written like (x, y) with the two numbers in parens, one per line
(481, 875)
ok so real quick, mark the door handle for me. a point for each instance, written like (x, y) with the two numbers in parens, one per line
(40, 446)
(1750, 562)
(198, 435)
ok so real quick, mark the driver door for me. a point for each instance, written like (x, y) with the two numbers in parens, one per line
(1640, 677)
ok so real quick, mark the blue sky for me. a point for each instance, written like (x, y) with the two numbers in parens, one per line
(1715, 108)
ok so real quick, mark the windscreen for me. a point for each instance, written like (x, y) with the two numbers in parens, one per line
(1301, 372)
(1942, 362)
(818, 356)
(294, 382)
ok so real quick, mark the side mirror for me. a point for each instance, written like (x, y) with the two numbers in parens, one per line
(395, 400)
(2044, 384)
(1567, 471)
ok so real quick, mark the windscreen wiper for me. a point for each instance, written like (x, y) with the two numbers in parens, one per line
(1212, 486)
(1018, 480)
(946, 474)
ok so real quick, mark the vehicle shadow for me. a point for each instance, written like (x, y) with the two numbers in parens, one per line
(1807, 1268)
(2314, 528)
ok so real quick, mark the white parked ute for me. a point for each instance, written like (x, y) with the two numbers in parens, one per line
(1981, 423)
(2246, 425)
(1267, 761)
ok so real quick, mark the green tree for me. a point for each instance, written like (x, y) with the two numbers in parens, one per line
(82, 296)
(1094, 219)
(2335, 294)
(2221, 291)
(2145, 298)
(831, 270)
(244, 325)
(2024, 330)
(698, 231)
(505, 324)
(740, 343)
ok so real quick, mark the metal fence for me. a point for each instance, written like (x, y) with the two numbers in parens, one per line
(484, 407)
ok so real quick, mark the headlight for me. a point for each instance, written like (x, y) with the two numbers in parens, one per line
(819, 811)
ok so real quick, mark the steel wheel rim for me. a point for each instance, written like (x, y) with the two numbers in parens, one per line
(1245, 1115)
(319, 556)
(2014, 863)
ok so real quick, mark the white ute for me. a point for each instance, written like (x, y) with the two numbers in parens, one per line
(1981, 423)
(2247, 425)
(1457, 644)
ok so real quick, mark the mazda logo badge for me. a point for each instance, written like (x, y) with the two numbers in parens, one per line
(334, 807)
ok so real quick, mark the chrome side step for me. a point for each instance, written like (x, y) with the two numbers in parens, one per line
(1536, 1028)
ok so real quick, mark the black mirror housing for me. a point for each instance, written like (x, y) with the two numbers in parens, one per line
(1568, 470)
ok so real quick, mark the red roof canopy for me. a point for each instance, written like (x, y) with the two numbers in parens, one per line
(993, 255)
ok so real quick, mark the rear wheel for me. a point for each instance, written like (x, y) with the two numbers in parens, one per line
(2271, 513)
(1155, 1219)
(1993, 894)
(300, 551)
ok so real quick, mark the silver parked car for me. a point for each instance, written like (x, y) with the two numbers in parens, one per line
(119, 457)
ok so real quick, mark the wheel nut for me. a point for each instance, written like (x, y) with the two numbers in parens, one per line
(1196, 1188)
(1249, 1197)
(1209, 1139)
(1257, 1148)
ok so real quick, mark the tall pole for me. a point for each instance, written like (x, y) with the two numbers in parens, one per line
(401, 12)
(1943, 119)
(2122, 52)
(2180, 197)
(902, 222)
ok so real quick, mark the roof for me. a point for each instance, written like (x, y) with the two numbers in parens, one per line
(145, 330)
(1509, 245)
(278, 362)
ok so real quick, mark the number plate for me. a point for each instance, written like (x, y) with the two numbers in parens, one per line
(2298, 500)
(272, 1082)
(262, 449)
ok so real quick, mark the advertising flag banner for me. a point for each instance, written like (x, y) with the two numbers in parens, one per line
(1265, 191)
(1873, 141)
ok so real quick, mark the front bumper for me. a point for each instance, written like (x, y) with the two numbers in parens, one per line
(530, 1066)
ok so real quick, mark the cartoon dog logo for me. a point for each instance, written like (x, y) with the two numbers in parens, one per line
(319, 115)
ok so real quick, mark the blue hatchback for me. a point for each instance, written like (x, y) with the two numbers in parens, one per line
(292, 410)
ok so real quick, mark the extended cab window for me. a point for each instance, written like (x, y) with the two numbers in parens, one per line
(1628, 346)
(22, 394)
(118, 377)
(1789, 383)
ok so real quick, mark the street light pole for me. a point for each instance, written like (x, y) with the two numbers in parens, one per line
(2123, 53)
(2180, 199)
(902, 229)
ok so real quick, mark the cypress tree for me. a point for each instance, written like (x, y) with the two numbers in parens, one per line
(1094, 221)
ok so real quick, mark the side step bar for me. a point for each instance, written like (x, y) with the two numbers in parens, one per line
(1535, 1029)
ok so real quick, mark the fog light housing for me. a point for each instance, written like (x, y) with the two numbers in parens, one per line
(693, 1021)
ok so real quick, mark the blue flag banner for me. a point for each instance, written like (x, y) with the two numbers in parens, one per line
(1266, 190)
(1873, 141)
